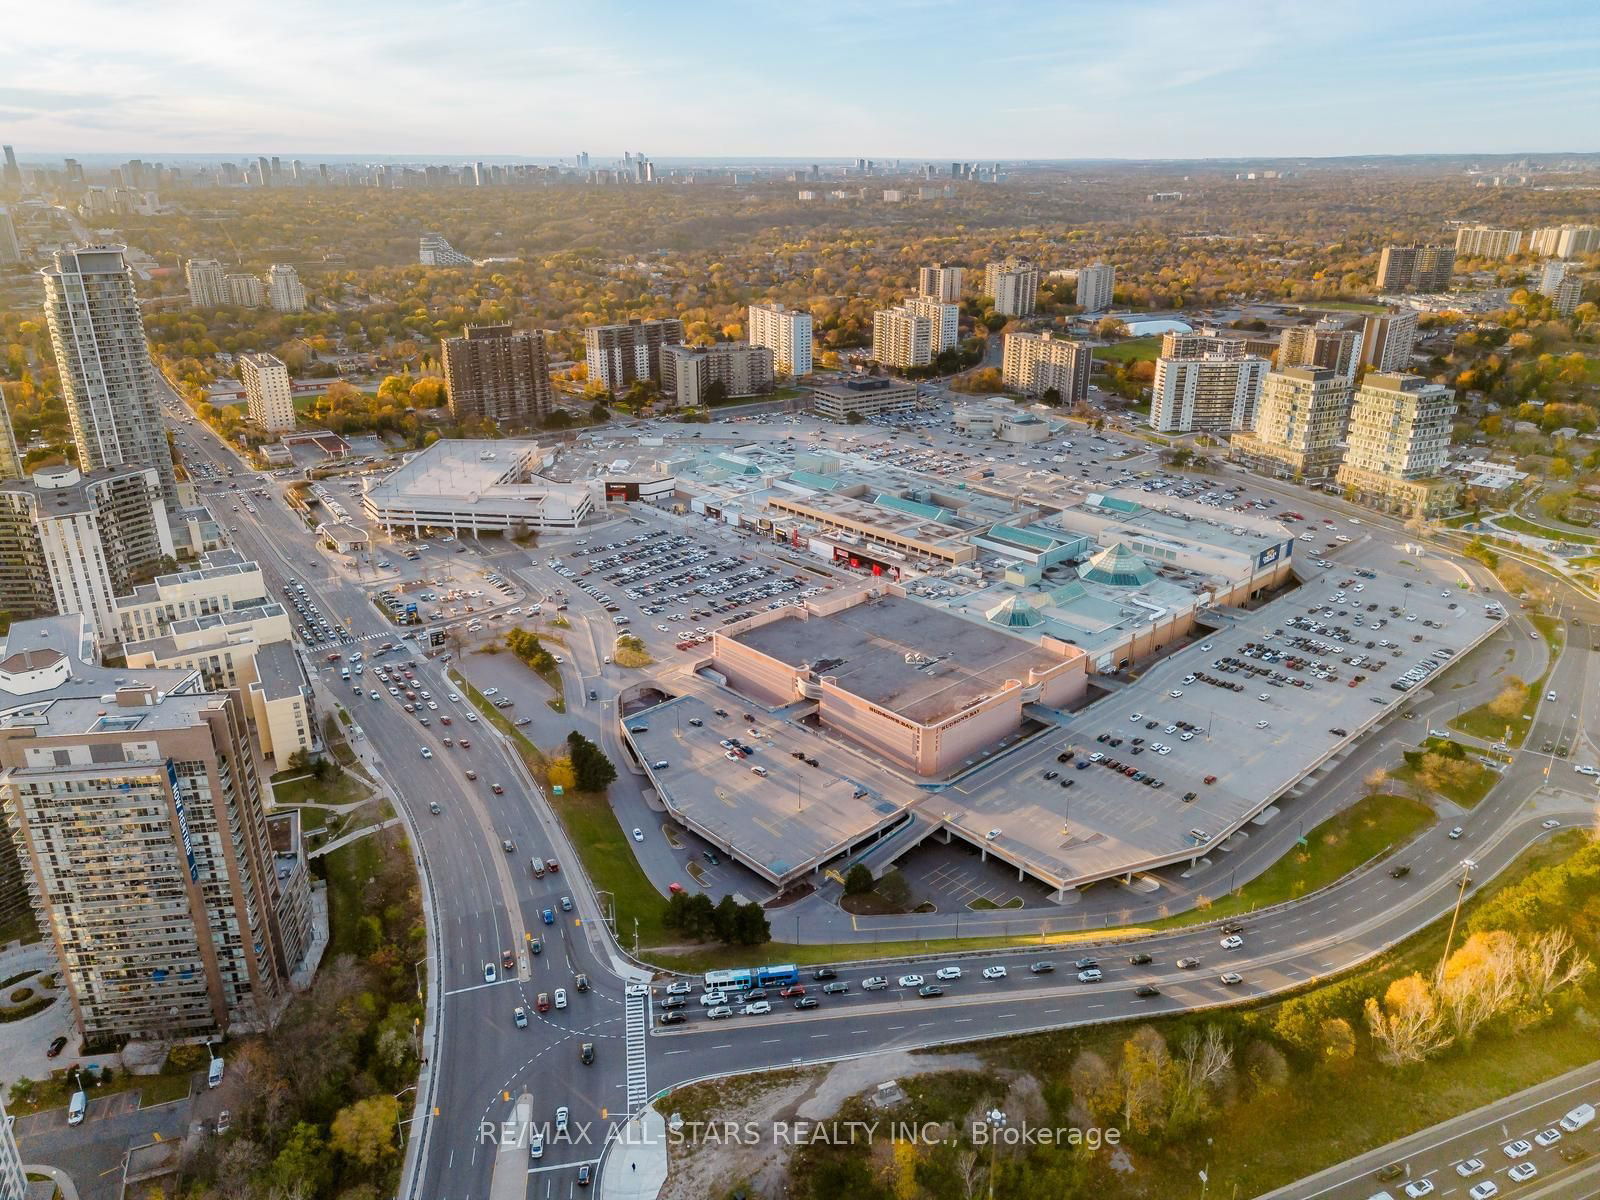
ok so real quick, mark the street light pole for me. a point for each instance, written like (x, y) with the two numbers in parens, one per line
(1466, 874)
(997, 1122)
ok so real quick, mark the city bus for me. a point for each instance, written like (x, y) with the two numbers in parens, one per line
(777, 976)
(739, 979)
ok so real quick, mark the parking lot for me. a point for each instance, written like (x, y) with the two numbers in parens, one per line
(680, 585)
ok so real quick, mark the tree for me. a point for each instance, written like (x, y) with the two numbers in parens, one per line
(593, 771)
(1508, 704)
(599, 413)
(854, 418)
(1337, 1042)
(1094, 1085)
(750, 926)
(1052, 397)
(364, 1132)
(558, 418)
(1146, 1077)
(894, 888)
(716, 392)
(303, 1160)
(561, 775)
(1204, 1061)
(1409, 1025)
(727, 920)
(858, 879)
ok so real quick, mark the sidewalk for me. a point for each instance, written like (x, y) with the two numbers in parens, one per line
(635, 1164)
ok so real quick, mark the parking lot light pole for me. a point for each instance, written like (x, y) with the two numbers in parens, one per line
(1467, 866)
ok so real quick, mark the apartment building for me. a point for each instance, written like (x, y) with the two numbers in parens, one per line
(1300, 424)
(267, 391)
(902, 338)
(109, 382)
(787, 334)
(245, 291)
(1399, 438)
(282, 703)
(72, 543)
(1330, 344)
(285, 292)
(494, 373)
(10, 247)
(619, 354)
(1035, 363)
(1388, 340)
(1095, 285)
(434, 251)
(207, 288)
(1205, 383)
(943, 317)
(13, 1179)
(1483, 241)
(222, 581)
(864, 397)
(687, 372)
(1014, 285)
(1416, 268)
(1560, 283)
(10, 458)
(941, 283)
(137, 814)
(1565, 241)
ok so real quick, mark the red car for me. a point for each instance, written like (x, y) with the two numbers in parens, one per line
(551, 865)
(798, 989)
(498, 790)
(508, 960)
(674, 888)
(444, 720)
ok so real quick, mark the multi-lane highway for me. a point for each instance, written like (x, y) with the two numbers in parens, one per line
(485, 900)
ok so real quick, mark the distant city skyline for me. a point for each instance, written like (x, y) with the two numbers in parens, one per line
(1142, 80)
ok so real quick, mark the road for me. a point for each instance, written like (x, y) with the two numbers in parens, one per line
(484, 900)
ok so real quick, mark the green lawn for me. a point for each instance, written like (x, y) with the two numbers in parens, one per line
(1519, 525)
(349, 868)
(345, 788)
(1133, 350)
(1466, 794)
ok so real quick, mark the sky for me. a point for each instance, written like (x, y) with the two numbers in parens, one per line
(938, 79)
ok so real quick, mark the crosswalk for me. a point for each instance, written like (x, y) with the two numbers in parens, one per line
(356, 637)
(638, 1023)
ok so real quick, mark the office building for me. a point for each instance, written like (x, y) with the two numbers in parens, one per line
(944, 320)
(10, 248)
(13, 173)
(1398, 440)
(434, 251)
(619, 354)
(861, 397)
(1014, 285)
(495, 373)
(266, 389)
(135, 808)
(941, 283)
(72, 543)
(1482, 241)
(1300, 423)
(687, 372)
(1328, 344)
(1561, 241)
(787, 334)
(1416, 268)
(1035, 363)
(106, 373)
(1205, 383)
(1388, 340)
(222, 581)
(902, 338)
(245, 291)
(1095, 285)
(285, 293)
(13, 1179)
(207, 287)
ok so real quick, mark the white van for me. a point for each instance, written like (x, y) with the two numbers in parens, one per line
(214, 1075)
(344, 672)
(77, 1109)
(1578, 1118)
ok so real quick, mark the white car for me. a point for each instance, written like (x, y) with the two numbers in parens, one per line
(1174, 693)
(712, 999)
(1487, 1190)
(1517, 1149)
(489, 973)
(1467, 1168)
(638, 835)
(1262, 724)
(536, 1145)
(561, 997)
(1523, 1172)
(426, 753)
(947, 973)
(1135, 716)
(994, 972)
(1548, 1137)
(1232, 942)
(1549, 695)
(681, 987)
(1550, 823)
(910, 981)
(1090, 975)
(494, 691)
(1419, 1187)
(759, 1009)
(561, 1119)
(454, 699)
(1581, 770)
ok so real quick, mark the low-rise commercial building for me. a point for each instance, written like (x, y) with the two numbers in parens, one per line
(468, 487)
(840, 399)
